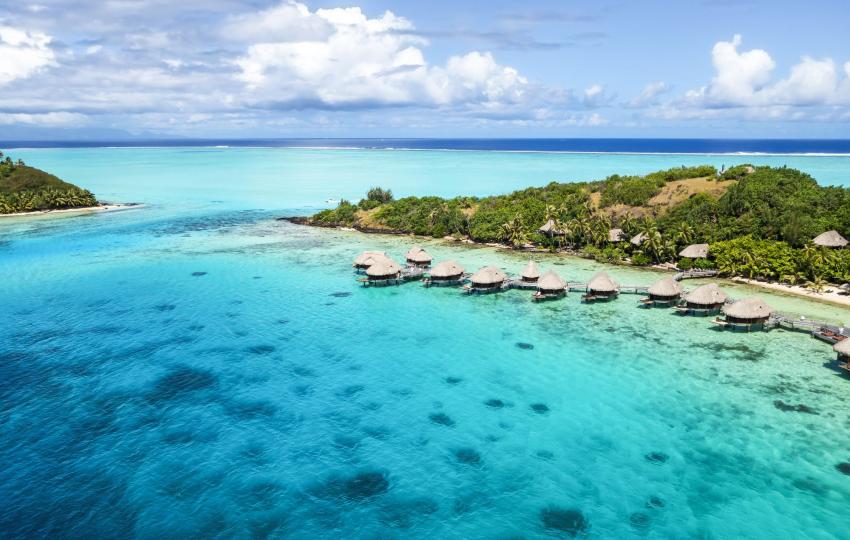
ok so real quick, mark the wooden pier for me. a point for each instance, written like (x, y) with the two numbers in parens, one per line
(694, 274)
(823, 331)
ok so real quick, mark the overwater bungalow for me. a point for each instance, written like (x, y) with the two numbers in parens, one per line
(747, 314)
(616, 235)
(367, 259)
(842, 348)
(695, 251)
(486, 280)
(638, 239)
(417, 256)
(383, 272)
(550, 286)
(830, 239)
(549, 230)
(531, 273)
(704, 300)
(445, 273)
(601, 287)
(664, 292)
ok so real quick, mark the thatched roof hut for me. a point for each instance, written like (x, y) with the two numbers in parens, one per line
(638, 239)
(706, 296)
(446, 270)
(368, 258)
(747, 310)
(551, 282)
(843, 349)
(548, 229)
(384, 269)
(830, 239)
(616, 235)
(602, 283)
(489, 276)
(531, 272)
(665, 289)
(418, 256)
(695, 251)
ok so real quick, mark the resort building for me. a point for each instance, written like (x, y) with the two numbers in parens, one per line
(830, 239)
(383, 272)
(704, 300)
(747, 313)
(417, 256)
(616, 235)
(638, 239)
(695, 251)
(664, 292)
(549, 230)
(601, 287)
(367, 259)
(487, 279)
(445, 273)
(550, 286)
(531, 273)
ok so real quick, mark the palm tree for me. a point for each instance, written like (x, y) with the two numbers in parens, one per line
(683, 234)
(817, 284)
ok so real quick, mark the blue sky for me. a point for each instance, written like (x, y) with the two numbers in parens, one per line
(231, 68)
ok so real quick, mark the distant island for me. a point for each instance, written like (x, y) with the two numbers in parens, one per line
(760, 223)
(27, 189)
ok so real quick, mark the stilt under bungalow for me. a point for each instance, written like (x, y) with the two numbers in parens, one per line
(702, 301)
(550, 286)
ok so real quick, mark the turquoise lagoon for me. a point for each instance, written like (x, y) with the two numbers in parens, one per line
(194, 368)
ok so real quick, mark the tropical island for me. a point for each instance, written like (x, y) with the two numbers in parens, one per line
(761, 223)
(28, 189)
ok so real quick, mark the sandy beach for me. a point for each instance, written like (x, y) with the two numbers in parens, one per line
(74, 211)
(832, 294)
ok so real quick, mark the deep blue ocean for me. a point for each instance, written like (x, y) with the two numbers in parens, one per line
(194, 368)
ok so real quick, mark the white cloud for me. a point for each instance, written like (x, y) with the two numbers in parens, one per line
(649, 95)
(23, 53)
(343, 58)
(51, 119)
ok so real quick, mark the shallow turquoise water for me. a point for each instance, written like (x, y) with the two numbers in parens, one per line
(272, 396)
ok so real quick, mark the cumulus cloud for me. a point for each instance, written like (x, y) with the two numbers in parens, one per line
(343, 58)
(51, 119)
(23, 53)
(649, 95)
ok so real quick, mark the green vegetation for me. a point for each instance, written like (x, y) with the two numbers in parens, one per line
(26, 189)
(759, 222)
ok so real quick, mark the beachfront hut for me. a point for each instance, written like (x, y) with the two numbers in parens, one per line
(830, 239)
(548, 229)
(445, 273)
(747, 313)
(550, 286)
(616, 235)
(601, 287)
(367, 259)
(383, 272)
(695, 251)
(842, 348)
(704, 300)
(487, 279)
(418, 257)
(530, 274)
(664, 292)
(638, 239)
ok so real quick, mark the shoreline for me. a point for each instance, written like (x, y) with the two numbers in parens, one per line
(110, 207)
(831, 297)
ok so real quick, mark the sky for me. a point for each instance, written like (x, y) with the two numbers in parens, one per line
(368, 68)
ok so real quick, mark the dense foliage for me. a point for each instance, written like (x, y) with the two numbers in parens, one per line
(761, 226)
(25, 189)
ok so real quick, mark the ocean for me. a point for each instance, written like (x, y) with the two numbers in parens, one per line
(195, 368)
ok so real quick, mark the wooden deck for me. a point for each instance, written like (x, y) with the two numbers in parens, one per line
(693, 274)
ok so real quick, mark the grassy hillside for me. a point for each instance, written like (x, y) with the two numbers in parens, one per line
(25, 189)
(774, 212)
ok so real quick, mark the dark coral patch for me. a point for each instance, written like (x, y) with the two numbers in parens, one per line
(790, 407)
(540, 408)
(261, 349)
(404, 514)
(495, 403)
(639, 520)
(843, 468)
(165, 307)
(453, 380)
(656, 457)
(199, 274)
(441, 419)
(567, 520)
(524, 346)
(467, 456)
(359, 487)
(248, 410)
(655, 502)
(181, 381)
(351, 391)
(340, 294)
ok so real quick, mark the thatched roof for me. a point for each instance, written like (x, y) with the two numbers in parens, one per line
(550, 281)
(668, 287)
(616, 235)
(446, 269)
(695, 251)
(530, 272)
(638, 239)
(601, 282)
(489, 275)
(706, 295)
(368, 258)
(383, 268)
(748, 308)
(830, 239)
(418, 255)
(842, 347)
(549, 228)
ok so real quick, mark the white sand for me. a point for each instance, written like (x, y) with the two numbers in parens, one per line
(832, 294)
(74, 211)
